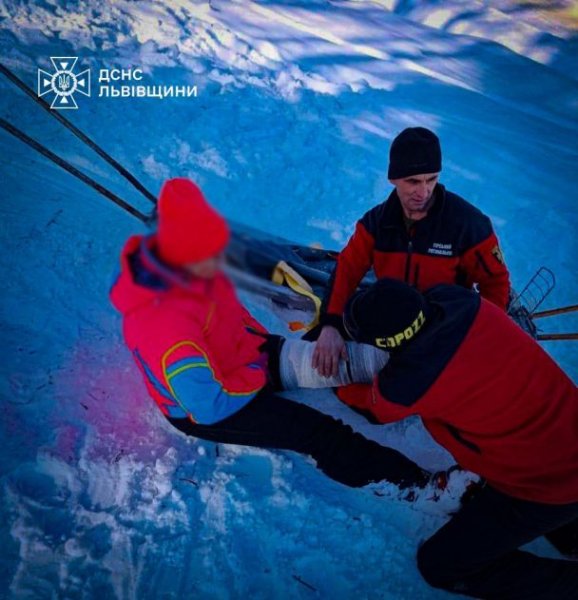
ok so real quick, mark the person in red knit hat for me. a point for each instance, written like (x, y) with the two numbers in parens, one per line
(206, 361)
(190, 231)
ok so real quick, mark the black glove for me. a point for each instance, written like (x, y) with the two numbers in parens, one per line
(272, 347)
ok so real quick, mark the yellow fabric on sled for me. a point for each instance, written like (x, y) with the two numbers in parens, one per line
(283, 273)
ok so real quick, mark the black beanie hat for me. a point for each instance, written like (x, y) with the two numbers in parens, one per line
(387, 315)
(416, 150)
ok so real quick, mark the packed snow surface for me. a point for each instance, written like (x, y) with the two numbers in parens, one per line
(297, 105)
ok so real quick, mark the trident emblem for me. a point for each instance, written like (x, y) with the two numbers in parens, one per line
(63, 83)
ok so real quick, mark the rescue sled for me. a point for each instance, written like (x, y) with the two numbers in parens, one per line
(296, 277)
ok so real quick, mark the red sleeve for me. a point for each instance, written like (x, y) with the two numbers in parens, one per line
(484, 264)
(366, 396)
(353, 263)
(248, 319)
(252, 323)
(356, 395)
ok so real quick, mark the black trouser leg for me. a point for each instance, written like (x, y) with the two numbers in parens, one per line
(565, 539)
(270, 421)
(476, 552)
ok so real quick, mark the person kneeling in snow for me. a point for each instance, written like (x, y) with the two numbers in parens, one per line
(204, 358)
(490, 395)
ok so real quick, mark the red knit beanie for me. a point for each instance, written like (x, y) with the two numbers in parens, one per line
(189, 229)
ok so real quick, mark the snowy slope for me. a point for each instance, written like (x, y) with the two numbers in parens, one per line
(298, 102)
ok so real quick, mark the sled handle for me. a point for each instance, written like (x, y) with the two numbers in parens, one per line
(557, 337)
(555, 311)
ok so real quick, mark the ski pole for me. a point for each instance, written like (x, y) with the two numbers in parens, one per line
(79, 134)
(72, 170)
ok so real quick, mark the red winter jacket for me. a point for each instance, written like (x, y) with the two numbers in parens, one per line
(488, 393)
(454, 243)
(191, 340)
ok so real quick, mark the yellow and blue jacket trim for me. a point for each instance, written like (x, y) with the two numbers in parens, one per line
(192, 391)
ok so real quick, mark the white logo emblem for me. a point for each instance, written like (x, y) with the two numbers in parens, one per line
(63, 83)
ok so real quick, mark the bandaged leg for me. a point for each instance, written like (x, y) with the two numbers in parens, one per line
(295, 368)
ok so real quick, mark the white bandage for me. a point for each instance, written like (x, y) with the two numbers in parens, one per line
(296, 371)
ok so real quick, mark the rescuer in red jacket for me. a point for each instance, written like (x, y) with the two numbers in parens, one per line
(490, 395)
(422, 235)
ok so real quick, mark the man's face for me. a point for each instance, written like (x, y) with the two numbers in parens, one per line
(415, 192)
(206, 269)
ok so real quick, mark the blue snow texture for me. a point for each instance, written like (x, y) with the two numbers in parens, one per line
(297, 104)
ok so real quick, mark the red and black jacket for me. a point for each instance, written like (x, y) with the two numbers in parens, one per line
(454, 243)
(488, 393)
